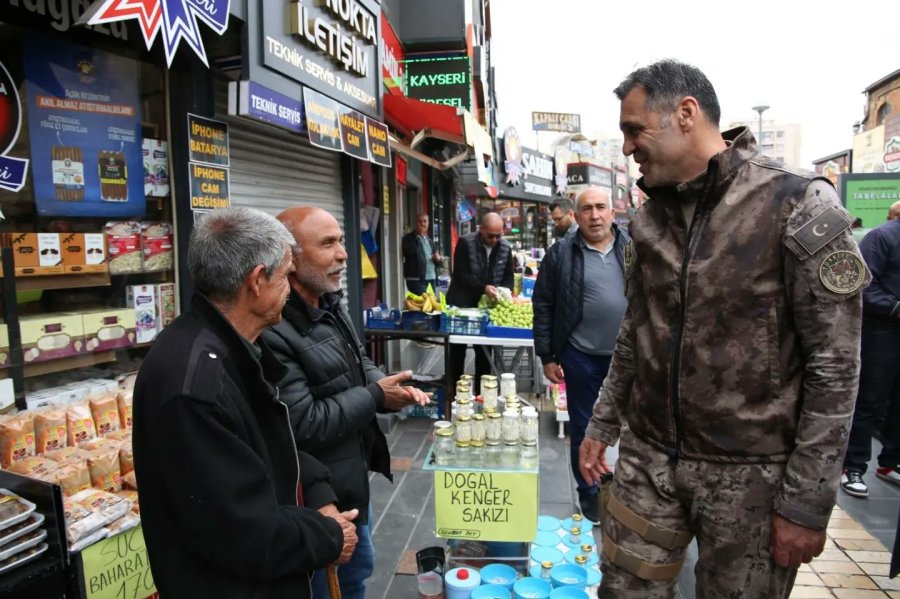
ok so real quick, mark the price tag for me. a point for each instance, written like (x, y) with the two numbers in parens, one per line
(118, 568)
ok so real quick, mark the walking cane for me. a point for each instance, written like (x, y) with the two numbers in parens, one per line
(334, 589)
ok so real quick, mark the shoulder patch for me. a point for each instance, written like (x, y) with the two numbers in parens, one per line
(842, 272)
(820, 230)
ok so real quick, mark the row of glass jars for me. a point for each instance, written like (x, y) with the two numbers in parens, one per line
(514, 425)
(482, 454)
(491, 388)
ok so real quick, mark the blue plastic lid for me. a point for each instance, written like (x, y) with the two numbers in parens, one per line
(462, 578)
(593, 557)
(491, 591)
(576, 542)
(546, 554)
(501, 574)
(568, 575)
(585, 525)
(547, 539)
(533, 588)
(568, 593)
(548, 523)
(593, 576)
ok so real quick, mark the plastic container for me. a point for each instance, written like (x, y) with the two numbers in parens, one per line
(579, 521)
(547, 554)
(22, 528)
(548, 523)
(22, 543)
(23, 558)
(499, 574)
(591, 557)
(532, 588)
(460, 582)
(491, 591)
(593, 576)
(546, 538)
(568, 593)
(13, 509)
(568, 575)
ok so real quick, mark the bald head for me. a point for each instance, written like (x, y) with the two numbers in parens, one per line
(894, 212)
(321, 259)
(491, 229)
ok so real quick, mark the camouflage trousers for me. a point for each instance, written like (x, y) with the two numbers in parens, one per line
(727, 508)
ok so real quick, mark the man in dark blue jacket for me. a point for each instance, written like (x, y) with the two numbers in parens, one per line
(579, 301)
(879, 378)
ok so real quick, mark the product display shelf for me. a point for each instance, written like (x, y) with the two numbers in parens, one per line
(63, 364)
(71, 281)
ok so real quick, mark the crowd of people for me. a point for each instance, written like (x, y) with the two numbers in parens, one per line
(717, 342)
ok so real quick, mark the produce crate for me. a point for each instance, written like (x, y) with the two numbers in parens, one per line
(411, 320)
(464, 325)
(382, 318)
(508, 332)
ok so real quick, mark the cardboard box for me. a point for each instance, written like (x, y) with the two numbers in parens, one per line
(4, 346)
(51, 336)
(142, 299)
(165, 304)
(107, 329)
(84, 252)
(37, 254)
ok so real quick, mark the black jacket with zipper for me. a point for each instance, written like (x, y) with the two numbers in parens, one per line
(218, 470)
(330, 389)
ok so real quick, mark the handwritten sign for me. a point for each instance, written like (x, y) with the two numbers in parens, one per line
(118, 568)
(208, 140)
(495, 506)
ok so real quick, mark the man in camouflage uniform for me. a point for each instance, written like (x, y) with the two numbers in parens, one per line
(735, 370)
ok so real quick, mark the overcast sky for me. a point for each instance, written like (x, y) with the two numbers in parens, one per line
(808, 60)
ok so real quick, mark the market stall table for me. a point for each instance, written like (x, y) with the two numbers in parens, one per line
(524, 348)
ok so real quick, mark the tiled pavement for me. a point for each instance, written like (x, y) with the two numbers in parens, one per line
(853, 566)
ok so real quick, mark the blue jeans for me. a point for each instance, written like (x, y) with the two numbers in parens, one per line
(584, 376)
(352, 575)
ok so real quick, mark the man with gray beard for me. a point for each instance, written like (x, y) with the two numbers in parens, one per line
(332, 389)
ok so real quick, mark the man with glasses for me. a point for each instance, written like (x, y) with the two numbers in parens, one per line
(482, 262)
(562, 213)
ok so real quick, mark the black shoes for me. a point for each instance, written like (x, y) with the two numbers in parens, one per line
(590, 506)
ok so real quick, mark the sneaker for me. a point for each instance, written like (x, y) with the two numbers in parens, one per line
(852, 483)
(892, 475)
(590, 506)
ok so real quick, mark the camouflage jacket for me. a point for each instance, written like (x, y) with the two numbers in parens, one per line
(741, 339)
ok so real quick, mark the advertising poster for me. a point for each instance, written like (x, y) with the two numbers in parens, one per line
(869, 197)
(379, 147)
(322, 120)
(353, 132)
(84, 126)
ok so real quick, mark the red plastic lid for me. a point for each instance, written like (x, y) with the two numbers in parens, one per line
(463, 574)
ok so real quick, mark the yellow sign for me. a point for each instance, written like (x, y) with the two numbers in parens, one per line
(118, 567)
(493, 506)
(386, 199)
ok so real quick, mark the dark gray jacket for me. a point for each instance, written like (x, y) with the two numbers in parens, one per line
(470, 276)
(332, 396)
(558, 298)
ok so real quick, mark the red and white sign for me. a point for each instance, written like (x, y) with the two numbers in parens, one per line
(400, 170)
(392, 57)
(892, 155)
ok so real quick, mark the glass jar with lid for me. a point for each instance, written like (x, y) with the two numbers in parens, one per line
(528, 456)
(463, 454)
(444, 447)
(463, 427)
(508, 385)
(479, 427)
(489, 393)
(528, 425)
(476, 454)
(510, 427)
(488, 377)
(463, 390)
(463, 408)
(494, 427)
(546, 566)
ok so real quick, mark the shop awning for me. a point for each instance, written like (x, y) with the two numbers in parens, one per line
(416, 121)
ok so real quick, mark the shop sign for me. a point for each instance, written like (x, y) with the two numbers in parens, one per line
(589, 175)
(208, 140)
(868, 151)
(252, 100)
(400, 167)
(538, 173)
(177, 20)
(379, 147)
(512, 150)
(496, 506)
(328, 45)
(336, 127)
(392, 57)
(84, 127)
(831, 170)
(440, 80)
(892, 155)
(209, 187)
(556, 121)
(63, 14)
(561, 162)
(118, 567)
(869, 197)
(12, 170)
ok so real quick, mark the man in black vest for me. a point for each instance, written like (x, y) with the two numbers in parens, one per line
(482, 262)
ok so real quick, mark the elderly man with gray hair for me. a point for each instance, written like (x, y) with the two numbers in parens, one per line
(230, 508)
